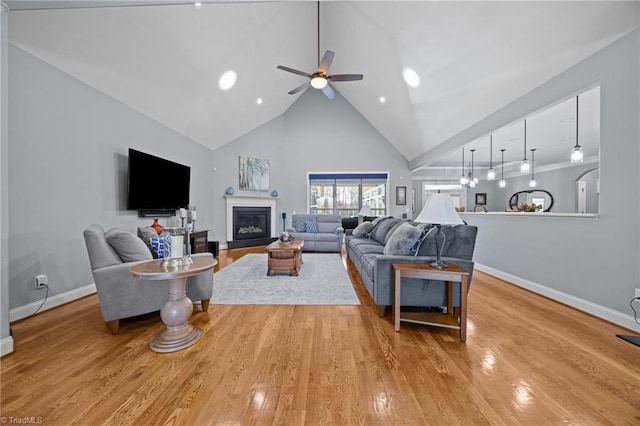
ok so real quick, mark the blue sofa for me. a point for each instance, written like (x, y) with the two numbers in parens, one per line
(373, 262)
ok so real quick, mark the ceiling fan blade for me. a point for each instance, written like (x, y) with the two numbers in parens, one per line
(326, 61)
(328, 92)
(283, 68)
(299, 88)
(346, 77)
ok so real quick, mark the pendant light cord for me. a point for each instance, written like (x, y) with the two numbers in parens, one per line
(318, 34)
(491, 152)
(577, 144)
(525, 139)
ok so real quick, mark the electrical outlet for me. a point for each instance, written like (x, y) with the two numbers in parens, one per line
(637, 292)
(41, 281)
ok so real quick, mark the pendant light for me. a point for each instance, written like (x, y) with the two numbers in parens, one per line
(577, 156)
(502, 183)
(524, 164)
(463, 179)
(472, 181)
(491, 174)
(532, 182)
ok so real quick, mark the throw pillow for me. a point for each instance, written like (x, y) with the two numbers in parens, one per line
(362, 230)
(128, 246)
(403, 239)
(311, 226)
(161, 245)
(146, 233)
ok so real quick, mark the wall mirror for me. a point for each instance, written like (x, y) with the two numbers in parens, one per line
(538, 197)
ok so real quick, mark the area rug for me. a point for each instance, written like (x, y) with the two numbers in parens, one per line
(322, 280)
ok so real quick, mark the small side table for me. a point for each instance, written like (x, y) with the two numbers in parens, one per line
(424, 271)
(176, 311)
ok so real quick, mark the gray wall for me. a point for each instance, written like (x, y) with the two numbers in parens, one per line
(68, 145)
(592, 259)
(315, 134)
(4, 183)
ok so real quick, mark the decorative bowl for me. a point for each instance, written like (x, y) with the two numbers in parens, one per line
(286, 238)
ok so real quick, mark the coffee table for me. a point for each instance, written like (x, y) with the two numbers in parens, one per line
(176, 311)
(285, 258)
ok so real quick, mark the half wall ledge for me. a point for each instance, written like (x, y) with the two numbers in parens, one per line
(533, 215)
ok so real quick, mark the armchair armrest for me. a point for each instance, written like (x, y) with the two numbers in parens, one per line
(339, 230)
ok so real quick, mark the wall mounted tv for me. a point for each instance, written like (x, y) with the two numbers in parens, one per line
(157, 186)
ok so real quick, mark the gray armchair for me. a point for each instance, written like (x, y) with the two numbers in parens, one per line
(121, 295)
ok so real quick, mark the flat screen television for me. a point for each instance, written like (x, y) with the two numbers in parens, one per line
(156, 184)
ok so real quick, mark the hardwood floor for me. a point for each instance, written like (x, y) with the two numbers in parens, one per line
(527, 361)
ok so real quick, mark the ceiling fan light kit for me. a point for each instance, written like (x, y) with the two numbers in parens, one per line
(320, 79)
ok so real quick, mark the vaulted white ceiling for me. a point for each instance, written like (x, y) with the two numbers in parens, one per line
(164, 58)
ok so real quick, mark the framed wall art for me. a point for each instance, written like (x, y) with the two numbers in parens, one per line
(481, 199)
(253, 174)
(401, 195)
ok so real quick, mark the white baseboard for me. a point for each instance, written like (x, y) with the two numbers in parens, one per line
(53, 301)
(6, 346)
(594, 309)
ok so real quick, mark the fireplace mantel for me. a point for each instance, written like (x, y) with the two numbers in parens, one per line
(249, 201)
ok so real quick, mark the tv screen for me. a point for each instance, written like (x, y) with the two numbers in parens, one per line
(156, 183)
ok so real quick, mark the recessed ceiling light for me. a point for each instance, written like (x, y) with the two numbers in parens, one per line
(227, 80)
(382, 99)
(259, 101)
(197, 4)
(411, 77)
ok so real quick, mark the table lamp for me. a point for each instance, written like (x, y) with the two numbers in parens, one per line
(364, 211)
(438, 210)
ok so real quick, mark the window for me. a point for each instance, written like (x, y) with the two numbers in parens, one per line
(344, 194)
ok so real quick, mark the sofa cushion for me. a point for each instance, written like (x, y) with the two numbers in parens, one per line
(362, 230)
(393, 229)
(311, 226)
(128, 246)
(382, 228)
(447, 237)
(297, 221)
(403, 239)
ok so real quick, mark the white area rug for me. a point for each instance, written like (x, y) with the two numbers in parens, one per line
(323, 280)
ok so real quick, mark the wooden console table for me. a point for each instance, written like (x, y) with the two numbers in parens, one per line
(452, 274)
(176, 311)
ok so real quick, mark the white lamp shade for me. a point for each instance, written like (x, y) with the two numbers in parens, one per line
(365, 211)
(439, 210)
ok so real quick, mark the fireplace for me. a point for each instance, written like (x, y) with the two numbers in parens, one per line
(250, 223)
(251, 220)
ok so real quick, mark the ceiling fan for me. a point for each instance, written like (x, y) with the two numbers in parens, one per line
(320, 79)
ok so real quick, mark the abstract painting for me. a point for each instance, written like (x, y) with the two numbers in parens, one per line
(254, 174)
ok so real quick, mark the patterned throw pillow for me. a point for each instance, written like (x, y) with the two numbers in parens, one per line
(146, 233)
(311, 226)
(161, 245)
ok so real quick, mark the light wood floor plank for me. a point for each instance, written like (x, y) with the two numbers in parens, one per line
(527, 361)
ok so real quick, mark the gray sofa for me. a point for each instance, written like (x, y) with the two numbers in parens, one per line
(330, 233)
(373, 249)
(121, 295)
